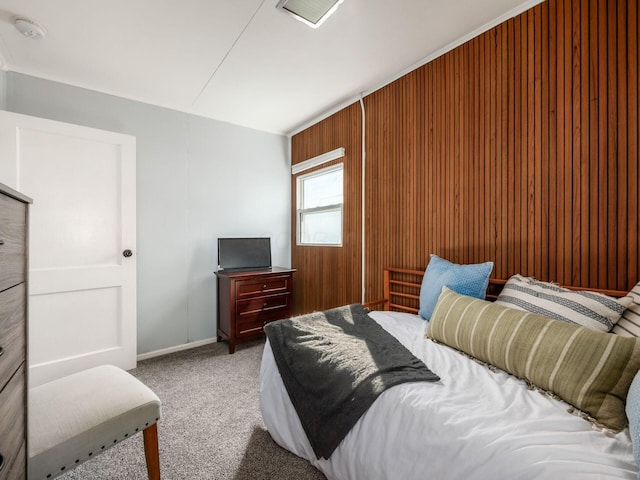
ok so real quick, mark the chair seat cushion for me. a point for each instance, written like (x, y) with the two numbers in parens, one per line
(76, 417)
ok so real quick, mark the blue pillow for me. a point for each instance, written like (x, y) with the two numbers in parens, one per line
(633, 414)
(471, 280)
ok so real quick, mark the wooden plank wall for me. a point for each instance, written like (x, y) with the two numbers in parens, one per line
(331, 276)
(520, 146)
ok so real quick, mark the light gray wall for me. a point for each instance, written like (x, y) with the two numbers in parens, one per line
(3, 90)
(197, 180)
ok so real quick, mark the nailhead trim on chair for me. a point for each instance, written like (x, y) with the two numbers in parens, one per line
(126, 435)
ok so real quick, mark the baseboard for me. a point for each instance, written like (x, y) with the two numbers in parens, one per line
(177, 348)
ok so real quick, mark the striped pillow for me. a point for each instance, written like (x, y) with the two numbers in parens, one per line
(590, 370)
(629, 324)
(592, 310)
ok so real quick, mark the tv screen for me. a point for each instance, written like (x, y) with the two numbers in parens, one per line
(244, 253)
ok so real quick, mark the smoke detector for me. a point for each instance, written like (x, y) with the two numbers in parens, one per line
(29, 28)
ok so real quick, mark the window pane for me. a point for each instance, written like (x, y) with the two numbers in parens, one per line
(322, 190)
(321, 227)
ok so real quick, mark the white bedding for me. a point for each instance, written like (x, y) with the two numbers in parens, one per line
(472, 424)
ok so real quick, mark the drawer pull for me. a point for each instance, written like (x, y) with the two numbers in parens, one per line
(264, 305)
(264, 286)
(1, 351)
(1, 462)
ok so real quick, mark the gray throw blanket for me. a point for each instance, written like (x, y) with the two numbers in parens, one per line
(334, 364)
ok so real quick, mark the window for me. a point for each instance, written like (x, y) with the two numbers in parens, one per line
(320, 199)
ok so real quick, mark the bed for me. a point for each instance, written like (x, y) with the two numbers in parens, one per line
(476, 422)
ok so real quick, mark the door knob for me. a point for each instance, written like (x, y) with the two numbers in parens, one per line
(127, 253)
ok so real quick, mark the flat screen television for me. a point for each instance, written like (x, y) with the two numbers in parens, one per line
(244, 253)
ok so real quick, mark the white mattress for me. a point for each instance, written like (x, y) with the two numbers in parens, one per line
(472, 424)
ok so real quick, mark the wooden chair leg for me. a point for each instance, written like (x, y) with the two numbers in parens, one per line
(151, 451)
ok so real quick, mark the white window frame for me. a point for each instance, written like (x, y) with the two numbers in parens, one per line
(326, 208)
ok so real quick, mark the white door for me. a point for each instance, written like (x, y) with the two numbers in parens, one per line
(82, 302)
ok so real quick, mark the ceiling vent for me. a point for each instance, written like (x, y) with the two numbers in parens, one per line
(311, 12)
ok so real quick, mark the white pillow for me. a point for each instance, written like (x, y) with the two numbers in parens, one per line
(592, 310)
(629, 324)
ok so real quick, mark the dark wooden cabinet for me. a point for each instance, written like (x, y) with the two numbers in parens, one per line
(13, 334)
(248, 299)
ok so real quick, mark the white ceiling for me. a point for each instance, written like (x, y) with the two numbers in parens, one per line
(239, 61)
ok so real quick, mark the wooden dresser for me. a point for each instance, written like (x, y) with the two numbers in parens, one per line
(249, 299)
(13, 333)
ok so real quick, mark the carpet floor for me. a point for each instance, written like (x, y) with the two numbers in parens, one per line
(211, 426)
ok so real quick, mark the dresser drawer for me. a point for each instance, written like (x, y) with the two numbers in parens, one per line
(255, 322)
(264, 286)
(15, 470)
(12, 331)
(264, 304)
(12, 427)
(13, 217)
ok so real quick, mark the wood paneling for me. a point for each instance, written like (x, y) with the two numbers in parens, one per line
(520, 146)
(330, 276)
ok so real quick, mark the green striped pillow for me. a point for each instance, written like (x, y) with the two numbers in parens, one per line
(590, 370)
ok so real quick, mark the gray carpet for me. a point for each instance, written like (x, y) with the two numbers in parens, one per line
(211, 427)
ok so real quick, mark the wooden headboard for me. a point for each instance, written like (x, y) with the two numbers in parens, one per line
(402, 290)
